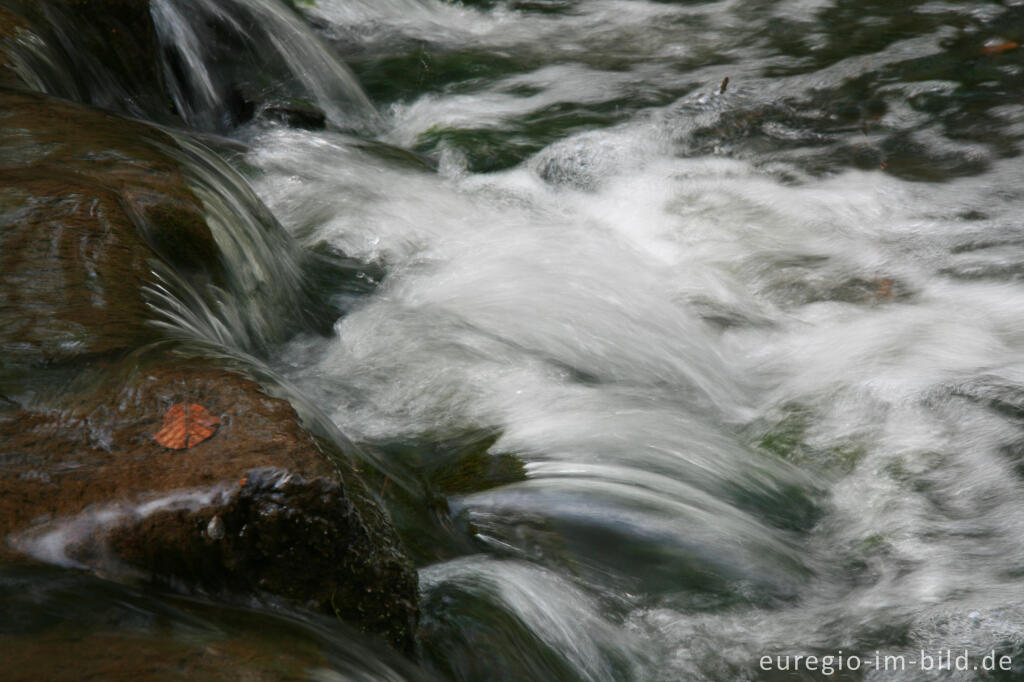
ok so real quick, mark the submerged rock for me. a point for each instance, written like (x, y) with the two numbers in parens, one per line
(295, 113)
(90, 205)
(64, 626)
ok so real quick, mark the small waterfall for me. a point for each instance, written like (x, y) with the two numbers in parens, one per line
(264, 288)
(106, 61)
(275, 54)
(266, 295)
(210, 65)
(732, 289)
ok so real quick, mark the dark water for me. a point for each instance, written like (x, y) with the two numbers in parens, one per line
(675, 372)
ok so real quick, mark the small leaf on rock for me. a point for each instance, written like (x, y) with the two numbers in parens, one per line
(186, 425)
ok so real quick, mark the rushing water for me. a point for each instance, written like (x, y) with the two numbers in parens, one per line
(758, 345)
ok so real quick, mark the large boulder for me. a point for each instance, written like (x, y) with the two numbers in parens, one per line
(260, 508)
(66, 165)
(90, 205)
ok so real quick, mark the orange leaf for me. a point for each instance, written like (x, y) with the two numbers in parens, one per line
(186, 425)
(999, 48)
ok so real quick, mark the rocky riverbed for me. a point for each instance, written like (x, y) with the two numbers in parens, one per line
(100, 217)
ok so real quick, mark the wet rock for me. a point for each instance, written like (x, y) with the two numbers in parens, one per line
(69, 626)
(296, 113)
(90, 203)
(100, 52)
(115, 197)
(75, 291)
(261, 508)
(58, 657)
(87, 201)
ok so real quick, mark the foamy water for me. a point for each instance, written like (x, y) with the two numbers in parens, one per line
(758, 346)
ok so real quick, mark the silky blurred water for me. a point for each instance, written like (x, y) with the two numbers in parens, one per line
(757, 344)
(732, 289)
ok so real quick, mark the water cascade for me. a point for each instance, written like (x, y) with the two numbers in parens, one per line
(699, 337)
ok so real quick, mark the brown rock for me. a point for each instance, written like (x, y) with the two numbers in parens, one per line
(116, 657)
(88, 203)
(87, 200)
(72, 270)
(262, 507)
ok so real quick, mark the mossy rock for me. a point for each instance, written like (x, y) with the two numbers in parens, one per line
(787, 437)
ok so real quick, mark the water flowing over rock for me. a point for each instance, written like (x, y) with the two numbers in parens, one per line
(93, 207)
(88, 201)
(698, 355)
(113, 631)
(262, 508)
(156, 196)
(206, 64)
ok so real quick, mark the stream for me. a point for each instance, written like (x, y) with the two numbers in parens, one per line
(696, 343)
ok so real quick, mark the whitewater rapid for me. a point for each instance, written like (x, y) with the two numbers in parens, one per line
(765, 381)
